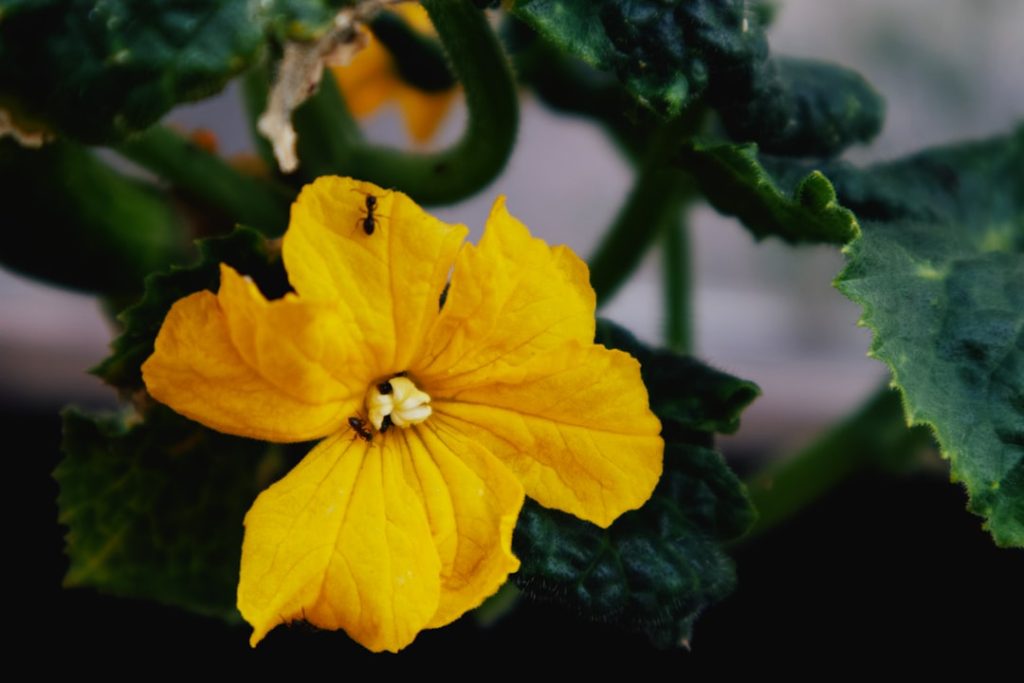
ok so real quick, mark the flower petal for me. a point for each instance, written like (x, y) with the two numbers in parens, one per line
(342, 542)
(369, 80)
(573, 424)
(472, 501)
(511, 298)
(390, 281)
(304, 348)
(245, 366)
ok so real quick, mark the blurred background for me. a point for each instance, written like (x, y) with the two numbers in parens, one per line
(948, 69)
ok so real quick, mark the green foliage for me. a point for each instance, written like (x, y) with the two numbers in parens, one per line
(654, 569)
(801, 107)
(154, 506)
(735, 182)
(73, 220)
(245, 250)
(669, 53)
(939, 271)
(682, 388)
(640, 42)
(100, 71)
(154, 509)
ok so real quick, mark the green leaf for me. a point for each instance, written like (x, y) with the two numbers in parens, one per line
(100, 71)
(939, 272)
(669, 53)
(796, 210)
(154, 509)
(245, 250)
(681, 388)
(801, 107)
(654, 569)
(647, 44)
(73, 220)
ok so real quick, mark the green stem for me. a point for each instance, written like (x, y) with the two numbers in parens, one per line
(675, 252)
(75, 221)
(654, 198)
(255, 88)
(327, 133)
(251, 201)
(418, 58)
(877, 435)
(479, 63)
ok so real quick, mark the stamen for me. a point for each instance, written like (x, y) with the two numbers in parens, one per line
(397, 402)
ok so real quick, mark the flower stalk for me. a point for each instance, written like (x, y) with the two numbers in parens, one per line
(247, 200)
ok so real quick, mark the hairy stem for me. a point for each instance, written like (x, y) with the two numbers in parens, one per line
(655, 198)
(247, 200)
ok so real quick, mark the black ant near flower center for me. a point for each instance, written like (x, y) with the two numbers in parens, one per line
(360, 428)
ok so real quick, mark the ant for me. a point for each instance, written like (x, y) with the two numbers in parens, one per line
(369, 221)
(360, 428)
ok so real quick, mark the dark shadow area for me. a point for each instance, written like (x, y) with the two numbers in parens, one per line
(884, 568)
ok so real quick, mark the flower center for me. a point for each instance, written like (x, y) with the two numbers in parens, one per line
(397, 401)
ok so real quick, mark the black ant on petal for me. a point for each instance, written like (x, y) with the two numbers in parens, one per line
(370, 220)
(360, 428)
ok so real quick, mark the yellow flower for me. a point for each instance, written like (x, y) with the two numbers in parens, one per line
(372, 80)
(434, 417)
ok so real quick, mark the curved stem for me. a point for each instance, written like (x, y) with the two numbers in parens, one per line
(479, 63)
(876, 435)
(247, 200)
(418, 58)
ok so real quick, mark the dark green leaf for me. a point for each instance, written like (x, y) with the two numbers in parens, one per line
(245, 250)
(939, 272)
(654, 47)
(681, 388)
(154, 510)
(795, 210)
(800, 107)
(99, 71)
(668, 53)
(71, 219)
(654, 569)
